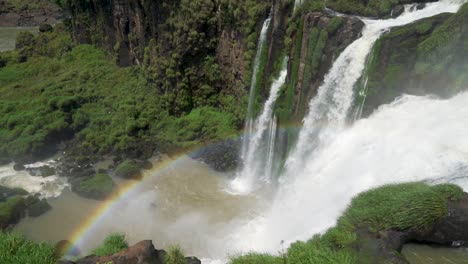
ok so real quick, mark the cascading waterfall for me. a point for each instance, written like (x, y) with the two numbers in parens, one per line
(329, 110)
(259, 154)
(297, 4)
(333, 162)
(250, 116)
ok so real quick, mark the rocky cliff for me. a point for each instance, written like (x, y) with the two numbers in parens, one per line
(425, 57)
(23, 13)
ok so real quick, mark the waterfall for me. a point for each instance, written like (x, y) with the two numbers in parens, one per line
(250, 115)
(256, 160)
(329, 110)
(333, 161)
(297, 4)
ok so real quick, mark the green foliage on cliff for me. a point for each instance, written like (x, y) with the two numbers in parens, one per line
(112, 244)
(408, 206)
(78, 92)
(15, 248)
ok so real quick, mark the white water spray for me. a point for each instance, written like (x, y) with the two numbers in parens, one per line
(329, 109)
(332, 163)
(257, 163)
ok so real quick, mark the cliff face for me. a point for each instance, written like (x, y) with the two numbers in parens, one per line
(426, 57)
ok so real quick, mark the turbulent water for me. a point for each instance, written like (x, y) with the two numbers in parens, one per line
(47, 187)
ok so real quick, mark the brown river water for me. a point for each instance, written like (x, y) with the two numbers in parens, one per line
(185, 203)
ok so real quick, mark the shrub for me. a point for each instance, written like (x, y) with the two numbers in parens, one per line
(114, 243)
(174, 255)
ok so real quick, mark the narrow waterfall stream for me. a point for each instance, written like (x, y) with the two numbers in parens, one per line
(259, 153)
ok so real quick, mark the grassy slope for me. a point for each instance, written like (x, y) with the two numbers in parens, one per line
(15, 248)
(410, 206)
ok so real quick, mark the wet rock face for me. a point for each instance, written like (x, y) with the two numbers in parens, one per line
(222, 156)
(324, 37)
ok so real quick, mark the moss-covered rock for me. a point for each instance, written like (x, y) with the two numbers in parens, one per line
(128, 169)
(38, 208)
(424, 57)
(6, 192)
(11, 211)
(98, 187)
(378, 222)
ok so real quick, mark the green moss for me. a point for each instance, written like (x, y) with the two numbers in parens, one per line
(128, 169)
(11, 210)
(98, 186)
(114, 243)
(15, 248)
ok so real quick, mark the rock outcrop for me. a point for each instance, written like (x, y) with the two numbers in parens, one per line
(425, 57)
(222, 156)
(12, 15)
(143, 252)
(384, 246)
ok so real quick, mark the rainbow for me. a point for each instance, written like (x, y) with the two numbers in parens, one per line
(124, 191)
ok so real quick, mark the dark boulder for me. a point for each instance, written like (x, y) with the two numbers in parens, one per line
(45, 27)
(98, 186)
(222, 156)
(11, 211)
(397, 11)
(43, 171)
(141, 253)
(19, 167)
(128, 169)
(38, 208)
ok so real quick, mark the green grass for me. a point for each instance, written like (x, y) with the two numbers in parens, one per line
(112, 244)
(408, 206)
(14, 248)
(174, 255)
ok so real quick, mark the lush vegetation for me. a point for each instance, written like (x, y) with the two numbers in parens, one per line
(15, 248)
(409, 206)
(53, 90)
(112, 244)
